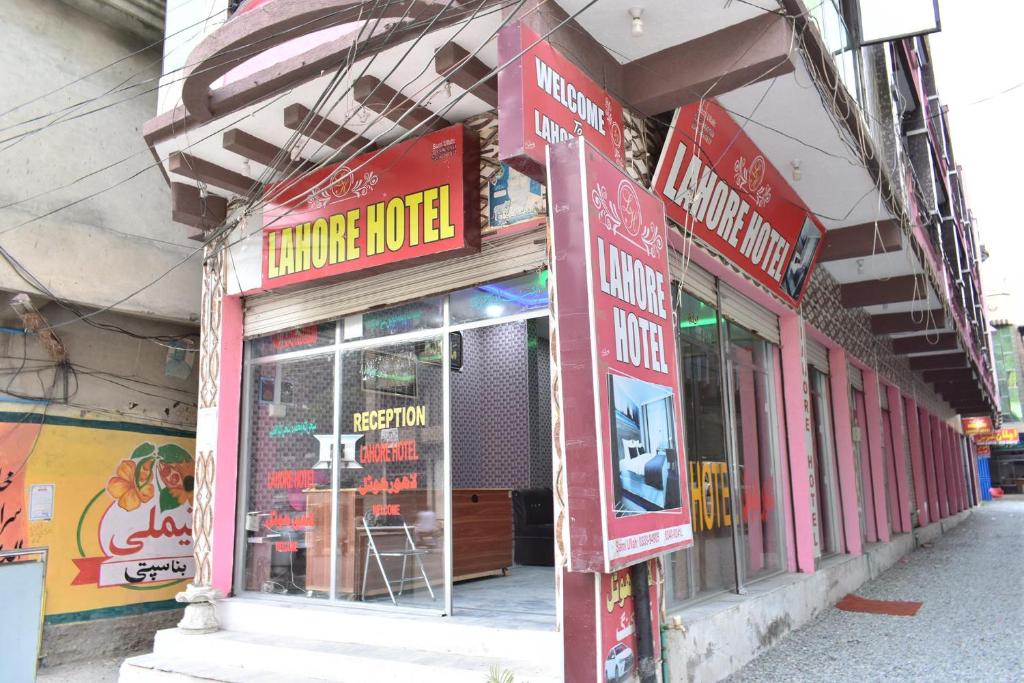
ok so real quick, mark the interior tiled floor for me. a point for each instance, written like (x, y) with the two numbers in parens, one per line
(523, 599)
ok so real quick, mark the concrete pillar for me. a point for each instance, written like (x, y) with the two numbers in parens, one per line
(917, 461)
(939, 449)
(927, 438)
(873, 405)
(796, 394)
(220, 374)
(900, 456)
(839, 391)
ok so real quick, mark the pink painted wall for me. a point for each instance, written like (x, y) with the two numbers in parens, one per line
(917, 461)
(939, 448)
(874, 407)
(229, 405)
(839, 392)
(929, 465)
(900, 456)
(957, 468)
(798, 434)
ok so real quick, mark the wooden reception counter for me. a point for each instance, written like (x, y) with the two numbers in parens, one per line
(481, 535)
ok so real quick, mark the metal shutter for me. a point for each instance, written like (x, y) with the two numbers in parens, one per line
(694, 279)
(498, 258)
(742, 311)
(817, 355)
(856, 378)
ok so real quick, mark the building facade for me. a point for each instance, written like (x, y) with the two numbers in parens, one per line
(97, 407)
(444, 245)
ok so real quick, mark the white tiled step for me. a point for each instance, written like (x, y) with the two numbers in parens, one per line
(459, 635)
(236, 656)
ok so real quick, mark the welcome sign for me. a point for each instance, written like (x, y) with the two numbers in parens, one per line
(619, 394)
(411, 202)
(714, 180)
(545, 98)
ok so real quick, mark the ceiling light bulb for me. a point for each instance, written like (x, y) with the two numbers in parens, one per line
(637, 28)
(797, 170)
(494, 310)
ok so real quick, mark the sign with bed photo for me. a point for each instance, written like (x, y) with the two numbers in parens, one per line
(618, 391)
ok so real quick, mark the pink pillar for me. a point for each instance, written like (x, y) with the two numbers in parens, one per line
(900, 457)
(952, 475)
(798, 434)
(927, 437)
(958, 469)
(225, 473)
(839, 390)
(784, 468)
(874, 407)
(939, 447)
(917, 462)
(962, 474)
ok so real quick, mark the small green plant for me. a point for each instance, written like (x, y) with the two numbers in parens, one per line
(498, 676)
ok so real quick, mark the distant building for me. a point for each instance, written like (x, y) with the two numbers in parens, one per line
(99, 314)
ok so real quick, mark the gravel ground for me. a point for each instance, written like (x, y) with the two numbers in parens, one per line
(96, 671)
(970, 628)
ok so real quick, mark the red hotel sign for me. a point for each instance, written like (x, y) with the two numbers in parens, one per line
(735, 201)
(621, 437)
(545, 98)
(415, 201)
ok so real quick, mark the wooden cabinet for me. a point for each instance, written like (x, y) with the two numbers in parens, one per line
(481, 530)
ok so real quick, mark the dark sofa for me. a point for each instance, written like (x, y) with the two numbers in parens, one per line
(533, 527)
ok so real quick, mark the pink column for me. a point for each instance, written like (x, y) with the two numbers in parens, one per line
(787, 509)
(955, 469)
(839, 391)
(939, 447)
(900, 457)
(958, 469)
(874, 408)
(974, 469)
(934, 512)
(798, 434)
(952, 474)
(226, 466)
(917, 461)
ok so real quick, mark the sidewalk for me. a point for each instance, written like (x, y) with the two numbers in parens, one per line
(970, 628)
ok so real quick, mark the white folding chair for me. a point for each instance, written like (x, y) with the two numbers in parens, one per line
(408, 549)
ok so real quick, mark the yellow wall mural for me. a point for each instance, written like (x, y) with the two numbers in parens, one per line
(111, 501)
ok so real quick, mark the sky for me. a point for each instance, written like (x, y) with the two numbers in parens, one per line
(979, 73)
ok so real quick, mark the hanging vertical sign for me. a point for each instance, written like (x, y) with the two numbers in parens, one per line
(621, 437)
(715, 181)
(545, 98)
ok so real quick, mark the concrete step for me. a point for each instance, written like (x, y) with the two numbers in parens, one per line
(462, 635)
(238, 656)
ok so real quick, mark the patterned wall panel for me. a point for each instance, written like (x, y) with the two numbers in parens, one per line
(539, 368)
(490, 405)
(851, 328)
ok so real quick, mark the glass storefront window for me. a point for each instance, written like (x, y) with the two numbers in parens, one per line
(390, 483)
(708, 566)
(735, 498)
(299, 339)
(756, 452)
(825, 465)
(291, 414)
(500, 299)
(345, 451)
(424, 314)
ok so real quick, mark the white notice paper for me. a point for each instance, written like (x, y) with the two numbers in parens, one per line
(40, 503)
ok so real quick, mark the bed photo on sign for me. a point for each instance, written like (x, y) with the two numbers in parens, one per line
(645, 461)
(803, 254)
